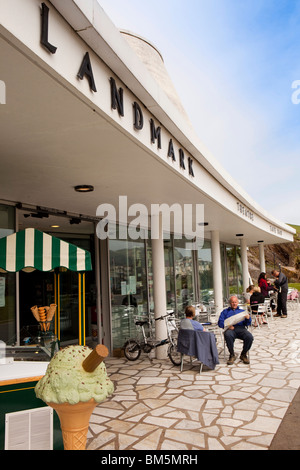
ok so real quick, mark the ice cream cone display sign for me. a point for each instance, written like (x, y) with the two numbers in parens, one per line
(44, 315)
(75, 383)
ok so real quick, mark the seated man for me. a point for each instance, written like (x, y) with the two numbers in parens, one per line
(188, 323)
(238, 330)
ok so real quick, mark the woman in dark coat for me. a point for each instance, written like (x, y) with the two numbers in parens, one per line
(257, 298)
(264, 285)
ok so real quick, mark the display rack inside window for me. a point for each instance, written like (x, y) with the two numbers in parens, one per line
(46, 338)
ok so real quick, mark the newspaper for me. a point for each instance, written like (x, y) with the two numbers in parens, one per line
(234, 319)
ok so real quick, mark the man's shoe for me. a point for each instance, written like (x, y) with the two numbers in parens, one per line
(277, 315)
(244, 358)
(231, 359)
(283, 316)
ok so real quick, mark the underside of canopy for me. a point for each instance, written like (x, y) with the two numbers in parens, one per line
(31, 249)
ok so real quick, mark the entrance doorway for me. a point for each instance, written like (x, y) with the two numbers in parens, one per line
(36, 288)
(61, 286)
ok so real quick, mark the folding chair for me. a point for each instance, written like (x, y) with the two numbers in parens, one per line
(268, 308)
(259, 310)
(191, 362)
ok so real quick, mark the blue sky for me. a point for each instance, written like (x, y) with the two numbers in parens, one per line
(233, 63)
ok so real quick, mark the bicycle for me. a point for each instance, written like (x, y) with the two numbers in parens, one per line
(133, 347)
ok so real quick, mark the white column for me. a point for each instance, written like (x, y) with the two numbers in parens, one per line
(159, 287)
(262, 261)
(217, 271)
(245, 267)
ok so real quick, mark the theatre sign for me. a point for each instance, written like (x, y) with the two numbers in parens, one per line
(85, 72)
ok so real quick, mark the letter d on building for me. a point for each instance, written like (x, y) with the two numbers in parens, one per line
(2, 92)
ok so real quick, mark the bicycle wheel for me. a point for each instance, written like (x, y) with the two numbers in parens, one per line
(174, 355)
(132, 350)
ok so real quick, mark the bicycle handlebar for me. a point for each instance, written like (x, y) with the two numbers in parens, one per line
(164, 316)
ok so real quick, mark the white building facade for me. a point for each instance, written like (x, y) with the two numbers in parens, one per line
(84, 104)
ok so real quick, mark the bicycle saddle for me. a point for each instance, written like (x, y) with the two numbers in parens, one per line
(141, 323)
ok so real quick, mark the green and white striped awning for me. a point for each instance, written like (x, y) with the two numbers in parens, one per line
(31, 248)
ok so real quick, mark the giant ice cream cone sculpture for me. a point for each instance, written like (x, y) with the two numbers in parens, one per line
(74, 383)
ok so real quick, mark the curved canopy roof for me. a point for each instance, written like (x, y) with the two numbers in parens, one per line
(31, 249)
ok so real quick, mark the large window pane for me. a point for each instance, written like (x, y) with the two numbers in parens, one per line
(183, 275)
(239, 271)
(205, 269)
(231, 269)
(128, 287)
(224, 272)
(169, 274)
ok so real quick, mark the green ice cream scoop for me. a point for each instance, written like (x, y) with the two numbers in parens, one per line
(75, 375)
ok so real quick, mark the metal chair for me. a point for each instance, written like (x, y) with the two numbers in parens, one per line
(269, 311)
(191, 362)
(259, 310)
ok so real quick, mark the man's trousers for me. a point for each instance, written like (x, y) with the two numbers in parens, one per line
(239, 332)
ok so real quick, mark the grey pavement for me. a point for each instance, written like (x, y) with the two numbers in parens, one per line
(239, 407)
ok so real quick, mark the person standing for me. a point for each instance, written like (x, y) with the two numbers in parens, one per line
(282, 287)
(264, 285)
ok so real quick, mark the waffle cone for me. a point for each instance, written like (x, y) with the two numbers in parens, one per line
(35, 312)
(50, 314)
(74, 422)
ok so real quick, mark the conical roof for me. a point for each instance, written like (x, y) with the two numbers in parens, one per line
(153, 60)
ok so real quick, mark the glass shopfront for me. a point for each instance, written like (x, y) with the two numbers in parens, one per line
(188, 278)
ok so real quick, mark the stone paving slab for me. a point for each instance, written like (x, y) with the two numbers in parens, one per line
(239, 407)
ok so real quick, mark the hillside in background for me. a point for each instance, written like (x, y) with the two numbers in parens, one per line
(287, 255)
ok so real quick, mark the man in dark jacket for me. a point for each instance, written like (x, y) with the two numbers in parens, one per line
(281, 285)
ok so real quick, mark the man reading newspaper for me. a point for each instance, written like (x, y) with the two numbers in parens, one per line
(234, 321)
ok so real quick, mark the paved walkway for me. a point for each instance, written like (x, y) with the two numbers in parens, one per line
(156, 407)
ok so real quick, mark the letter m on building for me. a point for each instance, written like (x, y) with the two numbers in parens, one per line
(2, 92)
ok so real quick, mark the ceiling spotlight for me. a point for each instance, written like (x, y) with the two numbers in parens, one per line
(84, 188)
